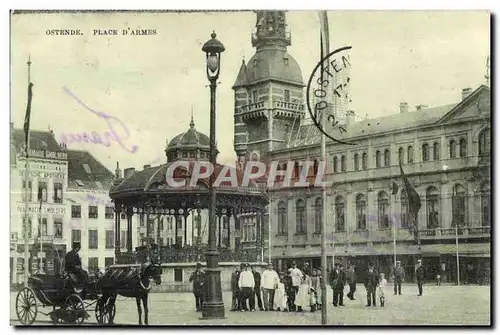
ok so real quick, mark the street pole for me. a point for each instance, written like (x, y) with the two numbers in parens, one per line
(269, 230)
(394, 227)
(213, 306)
(40, 269)
(26, 197)
(458, 258)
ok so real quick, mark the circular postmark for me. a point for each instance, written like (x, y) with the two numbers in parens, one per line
(328, 91)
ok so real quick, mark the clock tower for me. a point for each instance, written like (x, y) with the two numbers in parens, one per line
(268, 92)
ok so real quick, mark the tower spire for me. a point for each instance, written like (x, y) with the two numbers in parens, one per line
(191, 124)
(487, 75)
(271, 30)
(29, 68)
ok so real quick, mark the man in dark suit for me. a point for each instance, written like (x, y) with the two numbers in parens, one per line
(198, 279)
(257, 290)
(73, 266)
(337, 281)
(371, 283)
(235, 276)
(399, 277)
(351, 280)
(420, 275)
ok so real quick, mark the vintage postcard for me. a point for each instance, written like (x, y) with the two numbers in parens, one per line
(260, 167)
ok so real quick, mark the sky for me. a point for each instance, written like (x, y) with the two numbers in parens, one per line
(150, 85)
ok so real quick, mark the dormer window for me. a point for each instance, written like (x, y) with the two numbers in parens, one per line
(86, 167)
(286, 95)
(286, 61)
(79, 183)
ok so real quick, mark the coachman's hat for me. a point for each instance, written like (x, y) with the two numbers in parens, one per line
(76, 244)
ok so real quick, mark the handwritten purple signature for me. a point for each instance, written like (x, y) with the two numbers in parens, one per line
(114, 124)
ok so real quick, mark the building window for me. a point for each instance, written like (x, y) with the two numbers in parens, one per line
(76, 211)
(30, 191)
(383, 210)
(339, 214)
(300, 208)
(335, 164)
(356, 162)
(401, 156)
(410, 154)
(110, 239)
(93, 212)
(432, 197)
(435, 151)
(463, 147)
(484, 143)
(93, 264)
(178, 275)
(377, 159)
(296, 171)
(108, 261)
(425, 152)
(42, 225)
(342, 164)
(315, 168)
(93, 239)
(109, 212)
(453, 149)
(282, 215)
(58, 195)
(485, 205)
(58, 228)
(365, 161)
(76, 235)
(141, 220)
(286, 95)
(255, 96)
(405, 210)
(459, 206)
(360, 212)
(387, 158)
(42, 191)
(318, 208)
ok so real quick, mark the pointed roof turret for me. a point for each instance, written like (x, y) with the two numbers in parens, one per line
(241, 79)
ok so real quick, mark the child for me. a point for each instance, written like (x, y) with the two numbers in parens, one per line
(381, 290)
(316, 287)
(438, 279)
(280, 296)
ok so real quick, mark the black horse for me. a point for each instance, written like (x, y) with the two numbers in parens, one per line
(131, 283)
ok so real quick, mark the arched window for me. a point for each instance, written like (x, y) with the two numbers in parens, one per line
(339, 214)
(410, 154)
(296, 172)
(425, 152)
(383, 210)
(485, 205)
(335, 164)
(315, 168)
(387, 158)
(356, 162)
(432, 196)
(401, 155)
(318, 208)
(453, 149)
(484, 143)
(300, 211)
(342, 164)
(282, 218)
(405, 210)
(463, 147)
(435, 151)
(365, 161)
(459, 206)
(360, 212)
(377, 159)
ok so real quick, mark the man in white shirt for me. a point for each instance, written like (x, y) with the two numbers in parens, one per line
(296, 276)
(246, 283)
(269, 283)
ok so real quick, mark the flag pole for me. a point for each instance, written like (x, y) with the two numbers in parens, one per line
(26, 182)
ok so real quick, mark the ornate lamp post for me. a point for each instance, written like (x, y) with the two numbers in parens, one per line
(213, 306)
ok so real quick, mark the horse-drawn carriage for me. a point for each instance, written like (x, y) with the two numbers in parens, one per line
(69, 303)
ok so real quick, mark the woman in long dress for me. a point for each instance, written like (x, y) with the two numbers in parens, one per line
(279, 295)
(303, 298)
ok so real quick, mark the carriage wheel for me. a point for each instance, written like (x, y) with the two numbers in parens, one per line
(75, 310)
(26, 307)
(103, 310)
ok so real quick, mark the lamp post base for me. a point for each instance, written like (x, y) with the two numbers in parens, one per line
(213, 305)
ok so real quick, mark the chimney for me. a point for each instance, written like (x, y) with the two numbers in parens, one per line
(420, 107)
(118, 172)
(403, 107)
(147, 166)
(465, 92)
(128, 172)
(350, 118)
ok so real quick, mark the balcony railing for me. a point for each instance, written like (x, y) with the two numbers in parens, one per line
(451, 232)
(289, 105)
(190, 254)
(255, 106)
